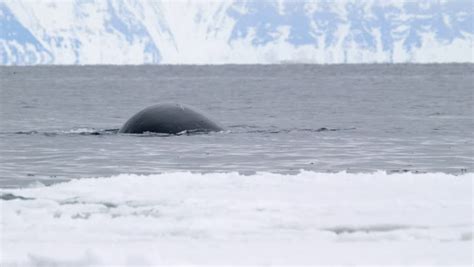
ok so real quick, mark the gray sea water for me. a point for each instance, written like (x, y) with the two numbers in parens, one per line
(60, 122)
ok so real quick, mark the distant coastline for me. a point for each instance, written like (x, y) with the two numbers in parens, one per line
(235, 32)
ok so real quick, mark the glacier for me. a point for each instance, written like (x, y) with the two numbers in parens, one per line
(235, 32)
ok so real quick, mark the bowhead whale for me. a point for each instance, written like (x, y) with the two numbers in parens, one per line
(169, 119)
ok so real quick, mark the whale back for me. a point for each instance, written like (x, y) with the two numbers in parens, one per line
(170, 119)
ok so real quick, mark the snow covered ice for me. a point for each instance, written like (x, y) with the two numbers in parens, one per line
(228, 218)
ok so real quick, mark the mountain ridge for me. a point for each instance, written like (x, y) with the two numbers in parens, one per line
(235, 32)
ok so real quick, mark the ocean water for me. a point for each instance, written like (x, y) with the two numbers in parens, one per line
(60, 122)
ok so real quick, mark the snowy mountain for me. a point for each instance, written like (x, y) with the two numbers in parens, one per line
(215, 32)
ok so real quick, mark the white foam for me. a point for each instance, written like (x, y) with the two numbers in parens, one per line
(228, 218)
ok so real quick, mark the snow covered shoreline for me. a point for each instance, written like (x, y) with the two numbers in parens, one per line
(227, 218)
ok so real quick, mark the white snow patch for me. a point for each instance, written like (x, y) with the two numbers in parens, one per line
(228, 218)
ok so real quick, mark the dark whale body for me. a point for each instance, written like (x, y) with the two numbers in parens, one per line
(169, 119)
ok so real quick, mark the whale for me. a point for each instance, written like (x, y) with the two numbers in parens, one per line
(169, 118)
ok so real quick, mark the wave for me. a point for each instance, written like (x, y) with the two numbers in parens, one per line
(208, 218)
(93, 131)
(239, 128)
(233, 129)
(73, 131)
